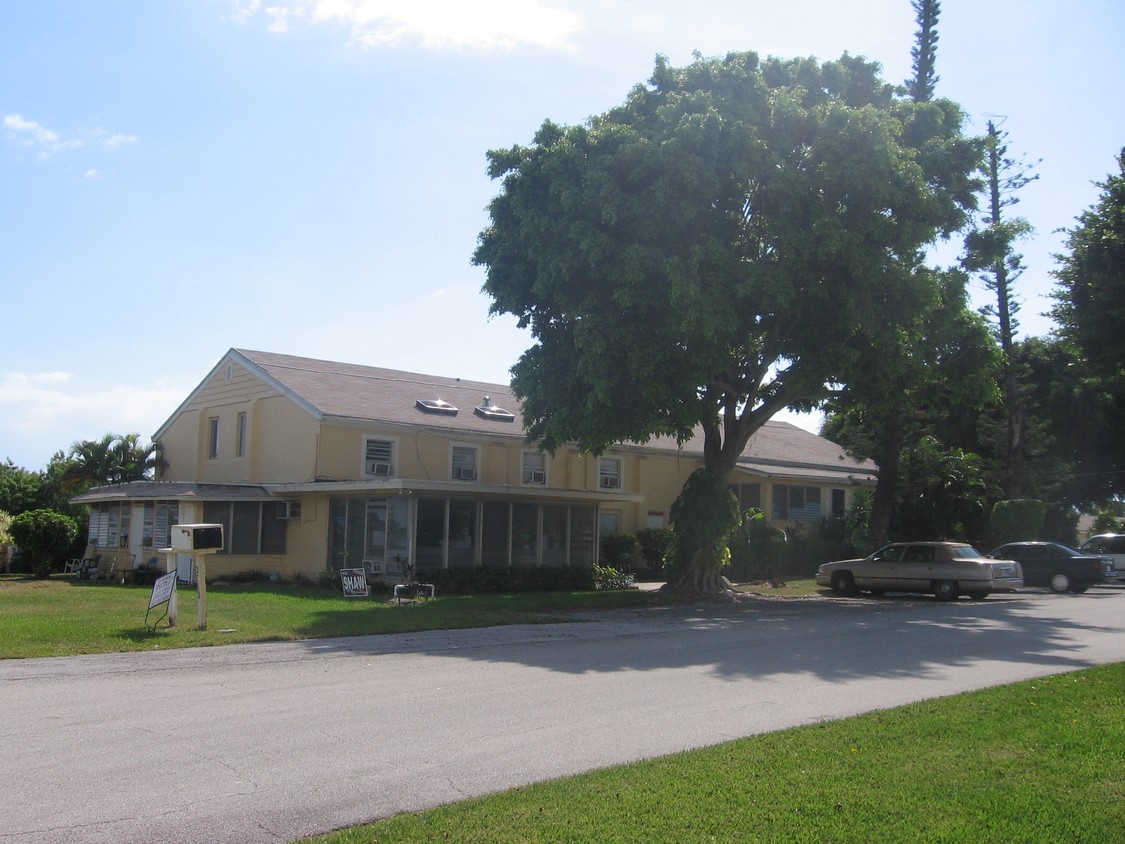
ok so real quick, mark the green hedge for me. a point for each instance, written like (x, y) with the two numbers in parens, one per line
(469, 580)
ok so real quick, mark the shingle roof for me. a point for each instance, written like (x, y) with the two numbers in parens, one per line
(352, 391)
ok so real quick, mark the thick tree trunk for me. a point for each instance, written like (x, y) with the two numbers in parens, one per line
(697, 578)
(889, 458)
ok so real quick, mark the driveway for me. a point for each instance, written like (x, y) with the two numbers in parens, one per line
(270, 742)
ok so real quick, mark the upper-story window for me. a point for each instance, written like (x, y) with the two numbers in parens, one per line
(243, 428)
(609, 473)
(379, 457)
(213, 437)
(534, 468)
(464, 463)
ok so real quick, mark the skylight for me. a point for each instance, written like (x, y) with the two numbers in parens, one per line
(493, 411)
(436, 406)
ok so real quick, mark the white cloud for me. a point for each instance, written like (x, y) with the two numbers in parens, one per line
(41, 413)
(33, 134)
(434, 24)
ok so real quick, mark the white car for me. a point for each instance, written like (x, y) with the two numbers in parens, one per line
(943, 569)
(1110, 545)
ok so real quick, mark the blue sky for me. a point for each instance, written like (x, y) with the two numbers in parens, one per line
(308, 176)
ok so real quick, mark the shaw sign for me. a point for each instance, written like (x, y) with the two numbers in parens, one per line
(354, 582)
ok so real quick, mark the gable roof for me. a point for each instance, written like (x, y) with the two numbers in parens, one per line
(344, 391)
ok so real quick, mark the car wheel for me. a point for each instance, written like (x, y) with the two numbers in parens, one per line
(1060, 582)
(978, 596)
(946, 590)
(843, 583)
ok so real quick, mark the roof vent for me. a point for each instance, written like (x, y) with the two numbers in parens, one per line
(436, 406)
(488, 410)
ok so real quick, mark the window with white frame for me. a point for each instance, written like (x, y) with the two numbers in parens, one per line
(213, 437)
(609, 473)
(464, 462)
(379, 457)
(533, 470)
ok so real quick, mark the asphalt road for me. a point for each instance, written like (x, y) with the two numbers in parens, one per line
(270, 742)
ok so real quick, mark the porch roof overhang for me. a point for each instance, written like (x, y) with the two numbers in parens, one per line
(173, 491)
(191, 491)
(412, 487)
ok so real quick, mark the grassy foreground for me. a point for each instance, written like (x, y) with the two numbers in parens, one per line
(63, 616)
(1037, 761)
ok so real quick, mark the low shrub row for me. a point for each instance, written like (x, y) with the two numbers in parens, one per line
(470, 580)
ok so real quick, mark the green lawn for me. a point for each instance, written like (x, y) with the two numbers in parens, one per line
(63, 615)
(1039, 761)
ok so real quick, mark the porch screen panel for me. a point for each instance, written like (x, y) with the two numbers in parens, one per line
(462, 533)
(583, 533)
(245, 527)
(113, 524)
(430, 534)
(525, 534)
(273, 530)
(167, 515)
(146, 524)
(494, 534)
(398, 534)
(375, 550)
(218, 513)
(356, 540)
(337, 532)
(554, 534)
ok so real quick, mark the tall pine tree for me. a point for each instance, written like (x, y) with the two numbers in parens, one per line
(922, 84)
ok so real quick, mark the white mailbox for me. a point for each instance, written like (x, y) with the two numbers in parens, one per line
(197, 538)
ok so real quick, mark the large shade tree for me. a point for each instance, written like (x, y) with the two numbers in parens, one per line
(705, 254)
(1090, 312)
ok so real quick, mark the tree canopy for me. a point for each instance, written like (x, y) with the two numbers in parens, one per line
(1090, 299)
(705, 253)
(716, 248)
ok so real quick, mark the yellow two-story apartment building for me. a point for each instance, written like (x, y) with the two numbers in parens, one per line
(313, 466)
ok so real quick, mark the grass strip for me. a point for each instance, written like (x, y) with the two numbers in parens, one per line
(1036, 761)
(64, 616)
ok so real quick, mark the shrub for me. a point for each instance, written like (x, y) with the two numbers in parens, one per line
(617, 550)
(606, 577)
(45, 538)
(654, 544)
(1017, 519)
(468, 580)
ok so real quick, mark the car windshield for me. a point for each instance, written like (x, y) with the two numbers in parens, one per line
(965, 551)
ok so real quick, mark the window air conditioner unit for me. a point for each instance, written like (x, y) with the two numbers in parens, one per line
(289, 509)
(532, 476)
(610, 482)
(377, 467)
(197, 537)
(464, 473)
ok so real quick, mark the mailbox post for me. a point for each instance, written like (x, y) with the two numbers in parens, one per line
(198, 541)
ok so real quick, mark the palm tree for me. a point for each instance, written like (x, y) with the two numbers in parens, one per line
(114, 459)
